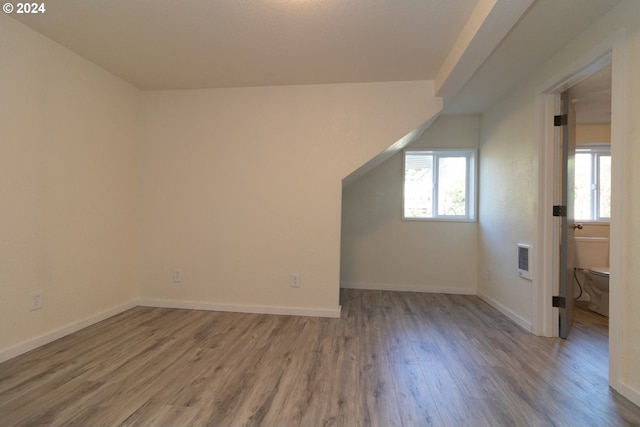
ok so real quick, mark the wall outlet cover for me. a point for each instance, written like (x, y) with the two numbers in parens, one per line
(35, 301)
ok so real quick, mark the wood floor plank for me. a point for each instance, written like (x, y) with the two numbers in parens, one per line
(153, 414)
(392, 359)
(24, 370)
(377, 393)
(341, 403)
(41, 411)
(418, 406)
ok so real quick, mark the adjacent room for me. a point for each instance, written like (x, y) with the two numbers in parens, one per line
(319, 212)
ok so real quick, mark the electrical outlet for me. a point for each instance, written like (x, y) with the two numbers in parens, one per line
(35, 301)
(295, 280)
(177, 276)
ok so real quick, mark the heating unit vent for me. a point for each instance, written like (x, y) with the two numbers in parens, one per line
(524, 261)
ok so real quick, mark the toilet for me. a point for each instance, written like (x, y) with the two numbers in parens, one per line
(590, 253)
(597, 287)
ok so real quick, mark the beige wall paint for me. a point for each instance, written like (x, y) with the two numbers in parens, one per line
(382, 251)
(508, 179)
(242, 187)
(593, 132)
(594, 229)
(68, 189)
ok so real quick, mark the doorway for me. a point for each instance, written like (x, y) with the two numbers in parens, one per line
(591, 102)
(545, 318)
(585, 189)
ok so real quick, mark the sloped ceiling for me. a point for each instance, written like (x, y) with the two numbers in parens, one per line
(474, 50)
(169, 44)
(541, 32)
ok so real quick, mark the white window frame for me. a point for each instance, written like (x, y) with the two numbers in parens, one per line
(596, 150)
(471, 183)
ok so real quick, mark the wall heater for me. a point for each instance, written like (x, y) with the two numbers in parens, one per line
(524, 261)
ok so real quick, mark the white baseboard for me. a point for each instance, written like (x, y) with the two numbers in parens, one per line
(408, 288)
(18, 349)
(521, 321)
(627, 391)
(239, 308)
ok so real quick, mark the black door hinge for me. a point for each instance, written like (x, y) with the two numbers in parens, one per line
(559, 210)
(559, 302)
(560, 120)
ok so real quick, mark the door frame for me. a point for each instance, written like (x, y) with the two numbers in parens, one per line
(544, 317)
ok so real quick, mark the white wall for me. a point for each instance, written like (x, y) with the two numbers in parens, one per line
(242, 187)
(508, 180)
(68, 191)
(105, 190)
(382, 251)
(628, 14)
(508, 196)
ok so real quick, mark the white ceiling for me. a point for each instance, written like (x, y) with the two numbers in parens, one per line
(541, 32)
(170, 44)
(475, 50)
(592, 98)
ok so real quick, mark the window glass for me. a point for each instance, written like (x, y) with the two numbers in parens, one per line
(593, 183)
(439, 184)
(583, 180)
(604, 193)
(418, 186)
(452, 180)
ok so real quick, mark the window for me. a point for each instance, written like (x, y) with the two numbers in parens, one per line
(593, 183)
(439, 184)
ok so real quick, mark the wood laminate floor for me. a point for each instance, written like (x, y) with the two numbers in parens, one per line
(393, 359)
